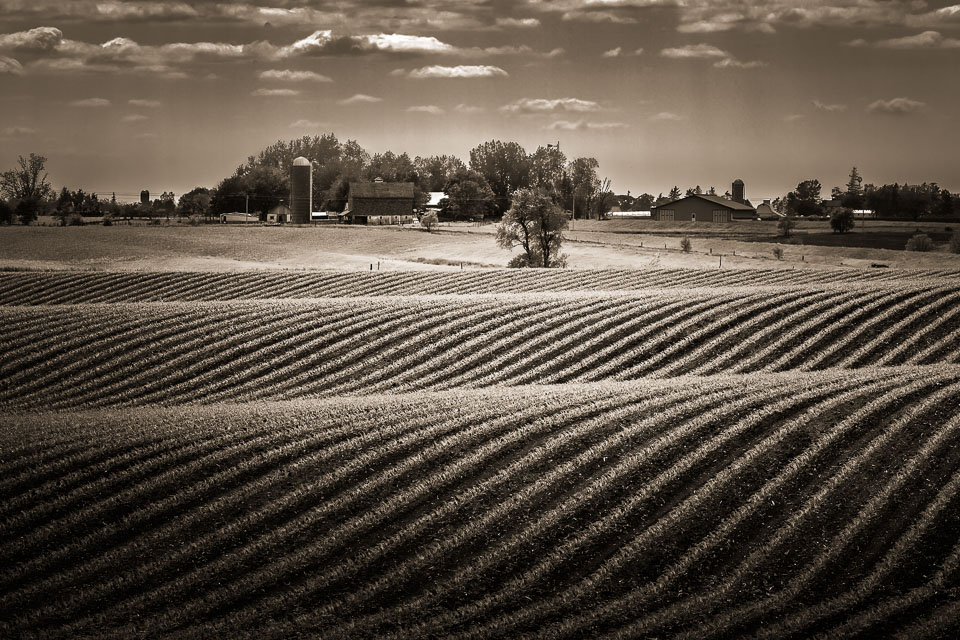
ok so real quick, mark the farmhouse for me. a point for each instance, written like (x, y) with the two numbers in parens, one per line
(379, 202)
(703, 208)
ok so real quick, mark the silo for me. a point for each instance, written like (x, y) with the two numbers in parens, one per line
(738, 191)
(301, 191)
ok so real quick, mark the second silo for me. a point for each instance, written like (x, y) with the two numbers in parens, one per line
(301, 191)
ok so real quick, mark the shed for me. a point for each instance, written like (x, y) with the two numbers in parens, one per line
(280, 213)
(376, 203)
(703, 208)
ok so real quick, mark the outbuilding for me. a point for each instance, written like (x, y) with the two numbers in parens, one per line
(703, 208)
(379, 202)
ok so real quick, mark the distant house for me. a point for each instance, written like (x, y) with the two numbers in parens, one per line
(764, 210)
(379, 202)
(280, 213)
(703, 208)
(831, 206)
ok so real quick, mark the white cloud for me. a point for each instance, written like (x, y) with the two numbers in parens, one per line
(360, 98)
(308, 124)
(694, 51)
(542, 105)
(582, 125)
(145, 104)
(733, 63)
(11, 66)
(136, 117)
(896, 106)
(925, 40)
(666, 116)
(520, 23)
(275, 93)
(145, 10)
(90, 102)
(325, 43)
(460, 71)
(398, 73)
(612, 53)
(829, 108)
(467, 108)
(611, 17)
(17, 131)
(432, 109)
(287, 75)
(793, 117)
(40, 39)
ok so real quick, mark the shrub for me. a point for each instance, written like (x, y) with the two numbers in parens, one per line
(955, 242)
(842, 221)
(778, 253)
(920, 242)
(6, 213)
(685, 245)
(786, 225)
(429, 220)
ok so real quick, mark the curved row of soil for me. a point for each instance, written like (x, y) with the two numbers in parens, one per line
(63, 287)
(773, 504)
(171, 353)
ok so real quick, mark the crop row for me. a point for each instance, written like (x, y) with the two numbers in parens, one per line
(63, 287)
(777, 503)
(172, 353)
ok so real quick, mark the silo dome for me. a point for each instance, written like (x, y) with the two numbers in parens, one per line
(301, 162)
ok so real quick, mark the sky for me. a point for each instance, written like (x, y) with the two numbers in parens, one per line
(168, 95)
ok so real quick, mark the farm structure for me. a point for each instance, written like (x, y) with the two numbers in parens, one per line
(238, 217)
(280, 213)
(301, 191)
(703, 208)
(379, 202)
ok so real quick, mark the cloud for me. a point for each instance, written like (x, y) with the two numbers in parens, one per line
(925, 40)
(611, 17)
(793, 117)
(666, 116)
(275, 93)
(325, 43)
(308, 124)
(467, 108)
(612, 53)
(145, 104)
(145, 11)
(90, 102)
(17, 131)
(360, 98)
(582, 125)
(40, 39)
(618, 52)
(694, 51)
(733, 63)
(542, 105)
(519, 23)
(460, 71)
(432, 109)
(136, 117)
(286, 75)
(896, 106)
(829, 108)
(11, 66)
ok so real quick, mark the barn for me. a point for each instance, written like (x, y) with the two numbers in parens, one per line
(379, 202)
(703, 208)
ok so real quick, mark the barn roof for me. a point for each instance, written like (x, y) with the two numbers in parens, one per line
(723, 202)
(381, 189)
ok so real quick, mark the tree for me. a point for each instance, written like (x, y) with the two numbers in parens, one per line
(711, 191)
(435, 171)
(25, 182)
(429, 220)
(505, 166)
(842, 221)
(944, 205)
(805, 200)
(674, 193)
(64, 206)
(6, 212)
(28, 209)
(786, 225)
(644, 202)
(468, 195)
(853, 197)
(535, 224)
(548, 169)
(195, 202)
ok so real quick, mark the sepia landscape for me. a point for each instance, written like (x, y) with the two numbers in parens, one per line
(621, 319)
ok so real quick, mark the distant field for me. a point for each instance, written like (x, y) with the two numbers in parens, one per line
(485, 453)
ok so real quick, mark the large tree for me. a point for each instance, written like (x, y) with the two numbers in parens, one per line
(469, 196)
(435, 171)
(805, 200)
(534, 224)
(505, 166)
(27, 181)
(548, 166)
(195, 202)
(852, 198)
